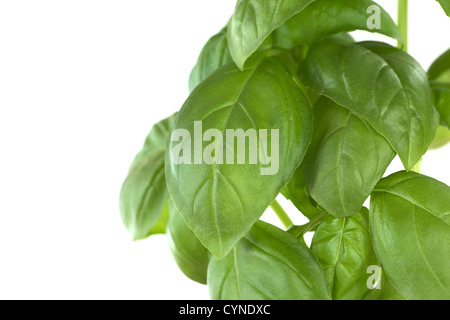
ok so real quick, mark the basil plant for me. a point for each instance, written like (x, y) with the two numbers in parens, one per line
(284, 101)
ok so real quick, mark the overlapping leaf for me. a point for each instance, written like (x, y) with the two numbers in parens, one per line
(143, 197)
(410, 227)
(267, 264)
(339, 172)
(344, 250)
(380, 84)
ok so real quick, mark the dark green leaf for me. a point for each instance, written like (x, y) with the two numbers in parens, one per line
(326, 17)
(410, 226)
(221, 202)
(441, 91)
(214, 55)
(344, 250)
(380, 84)
(190, 255)
(297, 192)
(440, 65)
(144, 193)
(254, 20)
(339, 173)
(267, 264)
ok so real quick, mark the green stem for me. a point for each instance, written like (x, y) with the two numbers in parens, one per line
(310, 225)
(281, 214)
(403, 23)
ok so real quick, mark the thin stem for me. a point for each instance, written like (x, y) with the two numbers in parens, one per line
(281, 214)
(310, 225)
(403, 23)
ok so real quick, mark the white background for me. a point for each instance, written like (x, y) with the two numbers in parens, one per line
(81, 83)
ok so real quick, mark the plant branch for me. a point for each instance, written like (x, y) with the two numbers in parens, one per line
(403, 23)
(281, 214)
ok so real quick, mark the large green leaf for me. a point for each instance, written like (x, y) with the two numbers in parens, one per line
(439, 66)
(221, 202)
(410, 226)
(382, 85)
(326, 17)
(339, 173)
(214, 55)
(254, 20)
(297, 192)
(267, 264)
(445, 5)
(344, 250)
(144, 193)
(190, 255)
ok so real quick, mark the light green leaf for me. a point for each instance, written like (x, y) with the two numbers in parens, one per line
(190, 255)
(214, 55)
(267, 264)
(221, 202)
(442, 137)
(410, 227)
(344, 250)
(338, 171)
(445, 5)
(327, 17)
(144, 193)
(380, 84)
(254, 20)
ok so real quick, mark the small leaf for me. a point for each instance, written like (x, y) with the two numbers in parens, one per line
(439, 66)
(243, 275)
(144, 193)
(344, 250)
(254, 20)
(190, 255)
(441, 93)
(224, 196)
(410, 227)
(214, 55)
(382, 85)
(339, 174)
(327, 17)
(445, 5)
(442, 137)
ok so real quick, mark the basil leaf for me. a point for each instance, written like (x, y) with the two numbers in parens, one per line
(190, 255)
(297, 192)
(214, 55)
(445, 4)
(254, 20)
(344, 250)
(294, 271)
(387, 290)
(326, 17)
(441, 93)
(144, 193)
(439, 66)
(339, 174)
(410, 226)
(222, 200)
(442, 137)
(387, 88)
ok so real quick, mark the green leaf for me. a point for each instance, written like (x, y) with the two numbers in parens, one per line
(267, 264)
(221, 202)
(339, 174)
(254, 20)
(214, 55)
(297, 192)
(144, 194)
(445, 5)
(410, 226)
(442, 137)
(190, 255)
(441, 93)
(327, 17)
(387, 290)
(344, 250)
(439, 66)
(382, 85)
